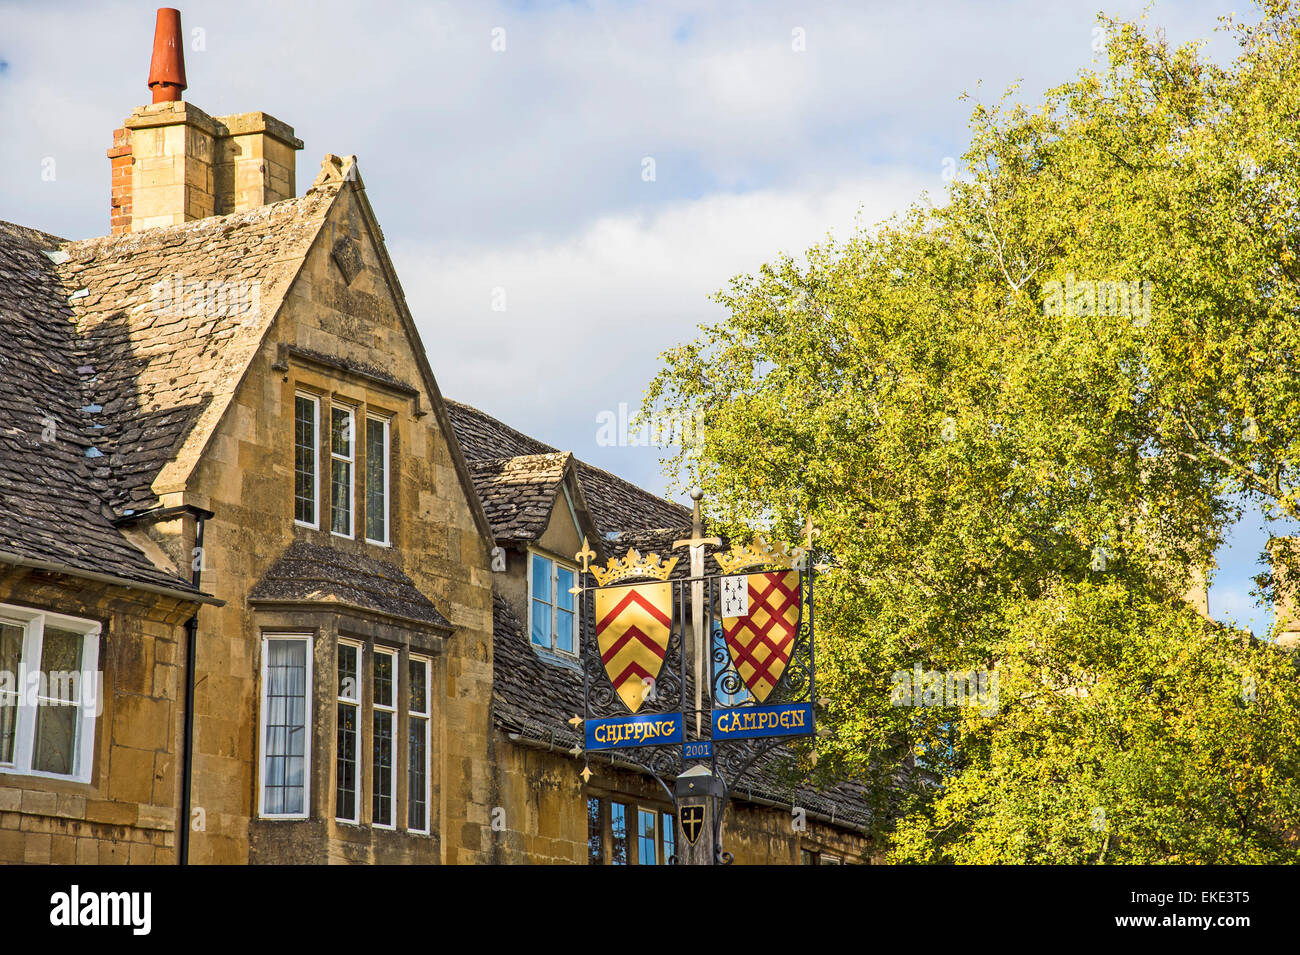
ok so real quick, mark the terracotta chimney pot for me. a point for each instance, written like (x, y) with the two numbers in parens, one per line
(167, 69)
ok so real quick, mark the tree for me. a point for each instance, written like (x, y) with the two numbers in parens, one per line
(1049, 394)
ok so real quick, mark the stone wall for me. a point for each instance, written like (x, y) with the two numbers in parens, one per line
(128, 810)
(340, 340)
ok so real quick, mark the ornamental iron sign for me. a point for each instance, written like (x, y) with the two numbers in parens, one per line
(710, 671)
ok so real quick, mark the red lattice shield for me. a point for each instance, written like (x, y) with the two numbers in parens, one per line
(760, 643)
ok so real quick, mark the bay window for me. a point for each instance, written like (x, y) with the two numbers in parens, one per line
(286, 743)
(384, 737)
(417, 757)
(347, 788)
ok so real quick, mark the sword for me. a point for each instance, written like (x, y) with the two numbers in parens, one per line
(696, 543)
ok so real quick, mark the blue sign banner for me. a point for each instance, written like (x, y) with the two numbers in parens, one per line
(651, 729)
(697, 749)
(750, 722)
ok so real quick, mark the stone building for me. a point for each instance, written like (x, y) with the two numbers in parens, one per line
(219, 422)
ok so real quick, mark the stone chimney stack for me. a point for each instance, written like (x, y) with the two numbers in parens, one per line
(173, 163)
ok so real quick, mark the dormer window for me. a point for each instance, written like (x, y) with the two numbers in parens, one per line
(552, 623)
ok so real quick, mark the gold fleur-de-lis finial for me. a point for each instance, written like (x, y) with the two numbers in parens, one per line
(809, 533)
(585, 555)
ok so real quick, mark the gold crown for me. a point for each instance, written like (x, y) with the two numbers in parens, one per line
(632, 566)
(759, 554)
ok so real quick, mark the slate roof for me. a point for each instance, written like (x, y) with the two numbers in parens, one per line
(114, 353)
(316, 573)
(54, 496)
(518, 493)
(167, 320)
(615, 504)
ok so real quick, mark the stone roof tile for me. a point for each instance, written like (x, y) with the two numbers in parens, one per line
(615, 504)
(316, 573)
(53, 506)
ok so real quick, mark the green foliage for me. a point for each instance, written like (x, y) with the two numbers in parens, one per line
(1022, 420)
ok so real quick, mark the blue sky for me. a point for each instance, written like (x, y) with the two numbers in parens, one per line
(504, 148)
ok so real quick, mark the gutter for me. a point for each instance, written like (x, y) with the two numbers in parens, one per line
(33, 563)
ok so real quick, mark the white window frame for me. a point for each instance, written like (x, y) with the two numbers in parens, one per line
(267, 637)
(351, 460)
(427, 717)
(359, 702)
(33, 626)
(315, 403)
(388, 461)
(554, 604)
(394, 709)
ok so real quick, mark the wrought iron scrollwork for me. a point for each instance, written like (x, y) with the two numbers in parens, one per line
(731, 759)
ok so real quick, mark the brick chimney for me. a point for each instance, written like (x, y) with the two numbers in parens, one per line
(173, 163)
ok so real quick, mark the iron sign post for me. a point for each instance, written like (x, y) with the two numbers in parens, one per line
(749, 642)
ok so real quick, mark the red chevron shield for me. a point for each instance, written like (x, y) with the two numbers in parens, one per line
(633, 625)
(760, 643)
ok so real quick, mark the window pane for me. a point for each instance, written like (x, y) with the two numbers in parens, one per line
(419, 670)
(417, 777)
(345, 795)
(647, 847)
(57, 714)
(541, 578)
(341, 432)
(383, 683)
(564, 631)
(341, 471)
(341, 497)
(618, 831)
(563, 584)
(11, 651)
(304, 460)
(595, 833)
(286, 726)
(668, 826)
(349, 686)
(541, 624)
(376, 471)
(382, 803)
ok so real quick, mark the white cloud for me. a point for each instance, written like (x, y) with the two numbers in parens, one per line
(587, 315)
